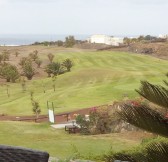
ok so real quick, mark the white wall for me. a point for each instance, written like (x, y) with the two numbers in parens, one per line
(105, 40)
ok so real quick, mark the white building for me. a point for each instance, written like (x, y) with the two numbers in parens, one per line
(163, 36)
(104, 39)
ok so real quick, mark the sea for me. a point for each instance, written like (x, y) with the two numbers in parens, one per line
(28, 39)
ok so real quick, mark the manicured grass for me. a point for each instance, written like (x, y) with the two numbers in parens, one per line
(97, 78)
(58, 143)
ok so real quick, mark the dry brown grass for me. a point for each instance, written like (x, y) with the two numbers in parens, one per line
(43, 51)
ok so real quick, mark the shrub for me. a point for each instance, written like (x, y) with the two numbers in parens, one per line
(67, 64)
(54, 68)
(36, 108)
(83, 123)
(1, 58)
(38, 62)
(69, 41)
(5, 55)
(24, 60)
(17, 53)
(50, 57)
(138, 154)
(99, 122)
(9, 72)
(28, 70)
(34, 55)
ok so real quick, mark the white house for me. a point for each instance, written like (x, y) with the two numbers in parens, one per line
(163, 36)
(104, 39)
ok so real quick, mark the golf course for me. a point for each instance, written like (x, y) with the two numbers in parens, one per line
(97, 78)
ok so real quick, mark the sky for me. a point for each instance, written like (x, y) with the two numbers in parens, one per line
(111, 17)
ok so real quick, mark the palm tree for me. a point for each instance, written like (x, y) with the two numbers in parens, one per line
(149, 119)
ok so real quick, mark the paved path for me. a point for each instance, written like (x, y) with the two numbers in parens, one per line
(60, 126)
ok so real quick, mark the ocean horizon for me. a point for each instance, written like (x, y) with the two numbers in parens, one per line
(28, 39)
(21, 39)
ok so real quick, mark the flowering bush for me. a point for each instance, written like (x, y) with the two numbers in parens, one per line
(99, 121)
(137, 102)
(83, 123)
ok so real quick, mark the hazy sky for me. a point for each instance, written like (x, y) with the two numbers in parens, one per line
(113, 17)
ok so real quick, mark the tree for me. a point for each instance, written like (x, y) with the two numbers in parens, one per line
(23, 84)
(5, 55)
(53, 81)
(9, 72)
(17, 53)
(69, 41)
(140, 38)
(48, 69)
(34, 55)
(44, 87)
(1, 58)
(150, 38)
(127, 41)
(38, 62)
(134, 40)
(28, 70)
(35, 52)
(67, 64)
(24, 60)
(36, 108)
(7, 90)
(54, 68)
(50, 57)
(149, 119)
(60, 43)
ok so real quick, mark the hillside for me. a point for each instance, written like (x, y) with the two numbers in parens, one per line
(97, 78)
(159, 50)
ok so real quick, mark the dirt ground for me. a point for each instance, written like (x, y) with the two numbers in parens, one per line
(43, 51)
(159, 50)
(59, 118)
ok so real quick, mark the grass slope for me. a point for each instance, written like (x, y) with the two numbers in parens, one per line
(97, 78)
(60, 144)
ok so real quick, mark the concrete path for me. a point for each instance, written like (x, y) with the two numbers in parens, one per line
(60, 126)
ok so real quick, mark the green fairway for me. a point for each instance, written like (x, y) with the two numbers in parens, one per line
(97, 78)
(58, 143)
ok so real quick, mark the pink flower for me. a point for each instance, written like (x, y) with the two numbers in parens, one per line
(94, 109)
